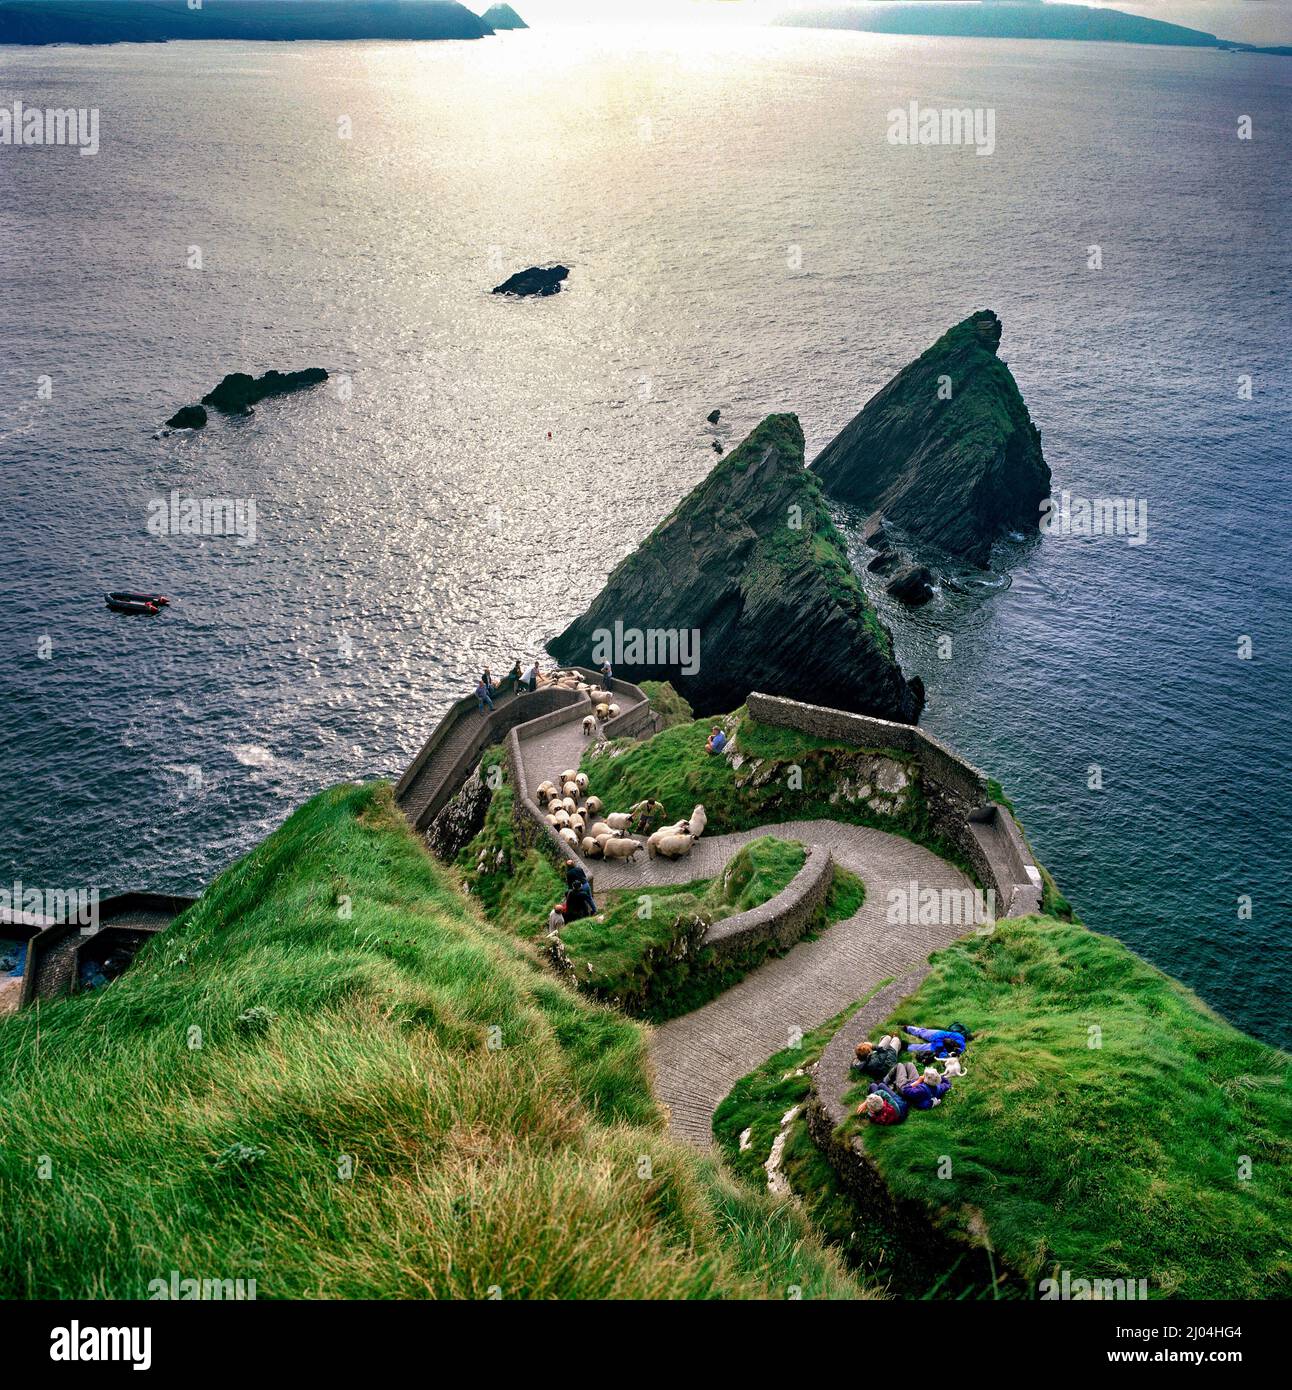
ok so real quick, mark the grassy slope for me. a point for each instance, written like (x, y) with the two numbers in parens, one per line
(1121, 1160)
(517, 1166)
(667, 703)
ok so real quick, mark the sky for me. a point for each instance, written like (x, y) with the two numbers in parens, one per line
(1252, 21)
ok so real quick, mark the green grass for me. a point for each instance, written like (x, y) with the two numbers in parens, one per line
(419, 1109)
(667, 703)
(785, 775)
(1122, 1160)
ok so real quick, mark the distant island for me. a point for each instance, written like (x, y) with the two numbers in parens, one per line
(158, 21)
(503, 17)
(1013, 19)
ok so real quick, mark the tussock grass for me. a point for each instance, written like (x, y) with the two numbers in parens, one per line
(497, 1126)
(1118, 1160)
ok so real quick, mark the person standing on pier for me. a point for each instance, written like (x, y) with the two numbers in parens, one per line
(484, 696)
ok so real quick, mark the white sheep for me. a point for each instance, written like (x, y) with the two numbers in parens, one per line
(697, 820)
(603, 711)
(620, 849)
(590, 848)
(545, 792)
(552, 821)
(569, 836)
(677, 828)
(589, 725)
(569, 775)
(554, 806)
(599, 828)
(594, 805)
(613, 709)
(619, 820)
(569, 805)
(671, 846)
(577, 824)
(581, 781)
(571, 788)
(597, 695)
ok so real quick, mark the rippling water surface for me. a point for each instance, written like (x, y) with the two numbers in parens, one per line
(740, 235)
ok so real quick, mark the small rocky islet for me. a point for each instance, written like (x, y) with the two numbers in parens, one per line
(239, 392)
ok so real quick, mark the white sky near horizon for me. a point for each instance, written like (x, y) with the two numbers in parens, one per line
(1251, 21)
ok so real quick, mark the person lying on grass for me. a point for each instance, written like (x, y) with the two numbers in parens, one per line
(938, 1042)
(877, 1059)
(882, 1106)
(922, 1091)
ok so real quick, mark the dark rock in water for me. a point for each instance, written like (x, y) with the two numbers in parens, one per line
(874, 535)
(747, 586)
(503, 17)
(884, 563)
(717, 447)
(460, 820)
(188, 417)
(238, 392)
(951, 471)
(536, 280)
(912, 585)
(714, 416)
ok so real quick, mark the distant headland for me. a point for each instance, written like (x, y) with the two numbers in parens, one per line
(1014, 19)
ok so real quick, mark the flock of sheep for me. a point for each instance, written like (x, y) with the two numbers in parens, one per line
(581, 822)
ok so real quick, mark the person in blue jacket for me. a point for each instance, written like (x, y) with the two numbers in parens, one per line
(923, 1092)
(936, 1042)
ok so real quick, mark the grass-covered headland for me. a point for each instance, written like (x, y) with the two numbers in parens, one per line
(334, 1077)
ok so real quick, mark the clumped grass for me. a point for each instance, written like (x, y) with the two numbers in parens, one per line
(332, 1076)
(1106, 1123)
(667, 703)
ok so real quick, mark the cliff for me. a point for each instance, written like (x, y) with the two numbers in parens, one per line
(946, 452)
(750, 568)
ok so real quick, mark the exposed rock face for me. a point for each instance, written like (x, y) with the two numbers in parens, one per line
(459, 821)
(751, 570)
(954, 473)
(238, 392)
(542, 280)
(884, 563)
(912, 585)
(188, 417)
(503, 17)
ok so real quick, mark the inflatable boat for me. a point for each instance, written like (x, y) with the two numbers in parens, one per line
(123, 601)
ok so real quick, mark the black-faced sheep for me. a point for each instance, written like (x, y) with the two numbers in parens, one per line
(625, 849)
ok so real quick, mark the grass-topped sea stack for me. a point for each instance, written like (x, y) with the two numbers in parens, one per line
(747, 586)
(946, 453)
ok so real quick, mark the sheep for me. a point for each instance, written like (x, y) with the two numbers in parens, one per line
(554, 806)
(569, 836)
(677, 828)
(670, 846)
(545, 792)
(552, 821)
(597, 695)
(581, 781)
(570, 805)
(614, 710)
(589, 725)
(562, 817)
(569, 775)
(619, 820)
(602, 712)
(594, 805)
(599, 828)
(570, 789)
(620, 849)
(577, 824)
(590, 848)
(697, 821)
(583, 687)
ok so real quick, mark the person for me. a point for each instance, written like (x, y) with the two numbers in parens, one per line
(513, 676)
(488, 681)
(922, 1091)
(877, 1059)
(578, 892)
(483, 697)
(607, 674)
(883, 1106)
(717, 741)
(529, 681)
(935, 1042)
(645, 814)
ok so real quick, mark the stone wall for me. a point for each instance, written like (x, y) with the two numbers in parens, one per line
(956, 793)
(779, 922)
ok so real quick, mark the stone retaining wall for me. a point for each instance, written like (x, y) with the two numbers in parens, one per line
(780, 921)
(955, 792)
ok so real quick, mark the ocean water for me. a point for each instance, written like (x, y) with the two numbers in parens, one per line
(740, 235)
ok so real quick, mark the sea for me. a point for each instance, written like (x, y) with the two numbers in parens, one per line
(742, 234)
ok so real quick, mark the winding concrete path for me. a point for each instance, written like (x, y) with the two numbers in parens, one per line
(699, 1057)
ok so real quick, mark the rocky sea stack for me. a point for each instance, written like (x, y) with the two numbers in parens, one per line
(751, 563)
(946, 453)
(541, 280)
(503, 17)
